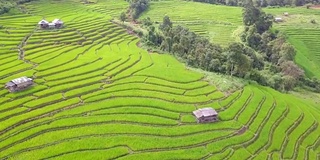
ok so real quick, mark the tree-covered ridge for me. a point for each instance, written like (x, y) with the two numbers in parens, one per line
(263, 56)
(6, 5)
(261, 3)
(303, 34)
(273, 47)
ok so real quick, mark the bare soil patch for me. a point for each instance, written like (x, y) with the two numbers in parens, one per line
(242, 130)
(315, 7)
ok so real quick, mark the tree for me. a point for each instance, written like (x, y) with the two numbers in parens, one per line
(298, 2)
(238, 62)
(250, 13)
(266, 37)
(215, 65)
(147, 22)
(288, 83)
(254, 16)
(275, 81)
(137, 7)
(190, 60)
(166, 24)
(123, 16)
(287, 52)
(274, 48)
(257, 76)
(264, 22)
(253, 38)
(257, 59)
(288, 68)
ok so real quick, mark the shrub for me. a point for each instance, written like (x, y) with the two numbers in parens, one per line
(308, 6)
(313, 21)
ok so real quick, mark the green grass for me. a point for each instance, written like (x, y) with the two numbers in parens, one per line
(107, 98)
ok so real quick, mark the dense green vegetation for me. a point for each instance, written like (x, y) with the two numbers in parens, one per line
(137, 7)
(6, 5)
(303, 34)
(262, 55)
(99, 96)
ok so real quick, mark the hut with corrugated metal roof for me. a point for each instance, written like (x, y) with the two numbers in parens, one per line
(204, 115)
(56, 23)
(19, 84)
(278, 19)
(43, 24)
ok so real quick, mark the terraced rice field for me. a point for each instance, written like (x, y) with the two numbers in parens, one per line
(303, 35)
(218, 23)
(99, 96)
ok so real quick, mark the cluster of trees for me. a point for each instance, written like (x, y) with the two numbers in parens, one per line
(262, 3)
(280, 71)
(137, 7)
(22, 1)
(262, 56)
(6, 5)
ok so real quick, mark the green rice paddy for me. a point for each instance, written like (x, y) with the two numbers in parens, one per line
(99, 96)
(218, 23)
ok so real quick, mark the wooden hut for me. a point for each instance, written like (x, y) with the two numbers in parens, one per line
(278, 19)
(206, 115)
(19, 84)
(52, 26)
(58, 23)
(43, 24)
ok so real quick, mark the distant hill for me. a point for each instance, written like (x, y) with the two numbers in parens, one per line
(6, 5)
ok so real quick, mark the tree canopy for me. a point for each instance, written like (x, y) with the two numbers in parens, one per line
(6, 5)
(137, 7)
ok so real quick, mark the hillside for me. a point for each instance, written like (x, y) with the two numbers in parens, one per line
(218, 23)
(99, 96)
(303, 34)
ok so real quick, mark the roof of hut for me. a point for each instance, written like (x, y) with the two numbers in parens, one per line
(10, 84)
(205, 112)
(43, 22)
(57, 21)
(21, 80)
